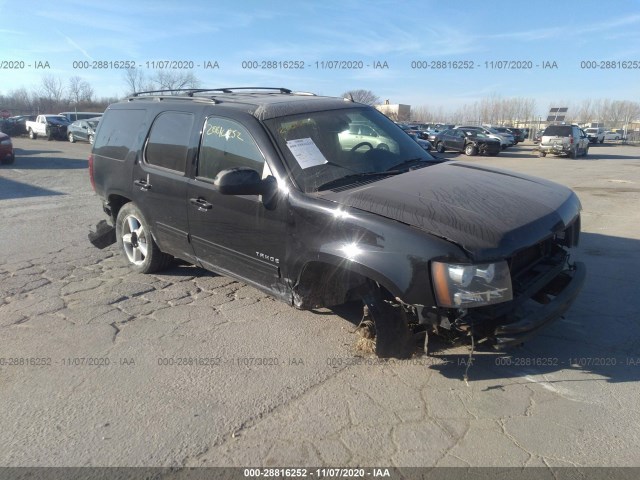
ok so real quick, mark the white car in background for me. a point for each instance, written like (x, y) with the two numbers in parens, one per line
(612, 135)
(360, 135)
(595, 135)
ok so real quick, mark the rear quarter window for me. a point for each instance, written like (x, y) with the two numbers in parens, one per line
(118, 131)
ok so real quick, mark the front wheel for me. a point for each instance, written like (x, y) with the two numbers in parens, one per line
(91, 139)
(440, 147)
(135, 240)
(542, 154)
(32, 135)
(72, 138)
(470, 150)
(10, 160)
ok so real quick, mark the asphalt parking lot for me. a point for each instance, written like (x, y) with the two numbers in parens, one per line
(103, 367)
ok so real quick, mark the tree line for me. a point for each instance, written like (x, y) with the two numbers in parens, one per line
(53, 94)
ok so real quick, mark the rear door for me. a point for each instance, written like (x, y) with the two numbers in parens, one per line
(235, 234)
(160, 180)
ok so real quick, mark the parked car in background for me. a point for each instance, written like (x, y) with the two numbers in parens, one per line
(518, 134)
(7, 155)
(568, 140)
(73, 116)
(595, 135)
(504, 141)
(537, 136)
(426, 144)
(50, 126)
(363, 135)
(610, 135)
(84, 130)
(16, 125)
(470, 142)
(510, 137)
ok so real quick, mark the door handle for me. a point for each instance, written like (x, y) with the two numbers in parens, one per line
(201, 203)
(143, 184)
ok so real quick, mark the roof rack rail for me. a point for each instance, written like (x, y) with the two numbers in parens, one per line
(168, 90)
(232, 89)
(191, 91)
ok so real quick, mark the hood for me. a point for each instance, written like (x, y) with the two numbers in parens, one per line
(490, 213)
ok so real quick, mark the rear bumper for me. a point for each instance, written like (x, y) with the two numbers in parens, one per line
(515, 333)
(557, 148)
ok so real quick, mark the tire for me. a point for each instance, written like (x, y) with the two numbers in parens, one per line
(503, 147)
(470, 150)
(383, 146)
(32, 135)
(9, 161)
(71, 138)
(134, 239)
(91, 139)
(586, 151)
(542, 154)
(602, 141)
(440, 147)
(574, 153)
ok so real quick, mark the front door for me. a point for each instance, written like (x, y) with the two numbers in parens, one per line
(235, 234)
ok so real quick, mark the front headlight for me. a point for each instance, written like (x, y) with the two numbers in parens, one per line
(466, 286)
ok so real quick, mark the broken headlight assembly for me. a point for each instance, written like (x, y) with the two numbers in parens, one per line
(466, 286)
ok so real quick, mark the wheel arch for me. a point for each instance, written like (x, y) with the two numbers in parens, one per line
(114, 203)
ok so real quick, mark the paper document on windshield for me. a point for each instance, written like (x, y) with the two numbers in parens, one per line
(306, 152)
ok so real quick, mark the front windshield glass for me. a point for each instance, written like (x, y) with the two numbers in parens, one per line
(322, 147)
(56, 119)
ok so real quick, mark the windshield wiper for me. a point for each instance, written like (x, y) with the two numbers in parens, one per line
(406, 163)
(348, 178)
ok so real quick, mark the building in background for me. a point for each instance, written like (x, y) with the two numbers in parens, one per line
(396, 112)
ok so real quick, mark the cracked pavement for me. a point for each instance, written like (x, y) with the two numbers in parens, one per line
(104, 367)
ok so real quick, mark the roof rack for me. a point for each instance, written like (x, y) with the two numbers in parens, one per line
(191, 91)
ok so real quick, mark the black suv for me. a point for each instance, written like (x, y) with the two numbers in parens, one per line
(257, 184)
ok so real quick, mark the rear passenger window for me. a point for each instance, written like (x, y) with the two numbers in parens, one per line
(168, 143)
(227, 144)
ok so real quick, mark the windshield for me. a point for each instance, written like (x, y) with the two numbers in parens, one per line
(321, 147)
(56, 119)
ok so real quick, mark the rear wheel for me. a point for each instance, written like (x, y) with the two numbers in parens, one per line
(135, 240)
(32, 135)
(574, 153)
(71, 138)
(542, 154)
(440, 147)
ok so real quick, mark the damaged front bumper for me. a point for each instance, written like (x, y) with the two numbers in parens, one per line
(564, 288)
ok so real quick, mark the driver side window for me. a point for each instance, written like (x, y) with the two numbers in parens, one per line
(227, 144)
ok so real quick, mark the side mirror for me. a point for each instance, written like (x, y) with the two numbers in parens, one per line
(240, 181)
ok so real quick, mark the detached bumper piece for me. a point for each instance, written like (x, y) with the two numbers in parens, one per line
(553, 299)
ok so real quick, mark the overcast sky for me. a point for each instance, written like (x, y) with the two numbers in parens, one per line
(391, 34)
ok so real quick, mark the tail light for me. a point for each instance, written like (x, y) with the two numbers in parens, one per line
(571, 139)
(93, 181)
